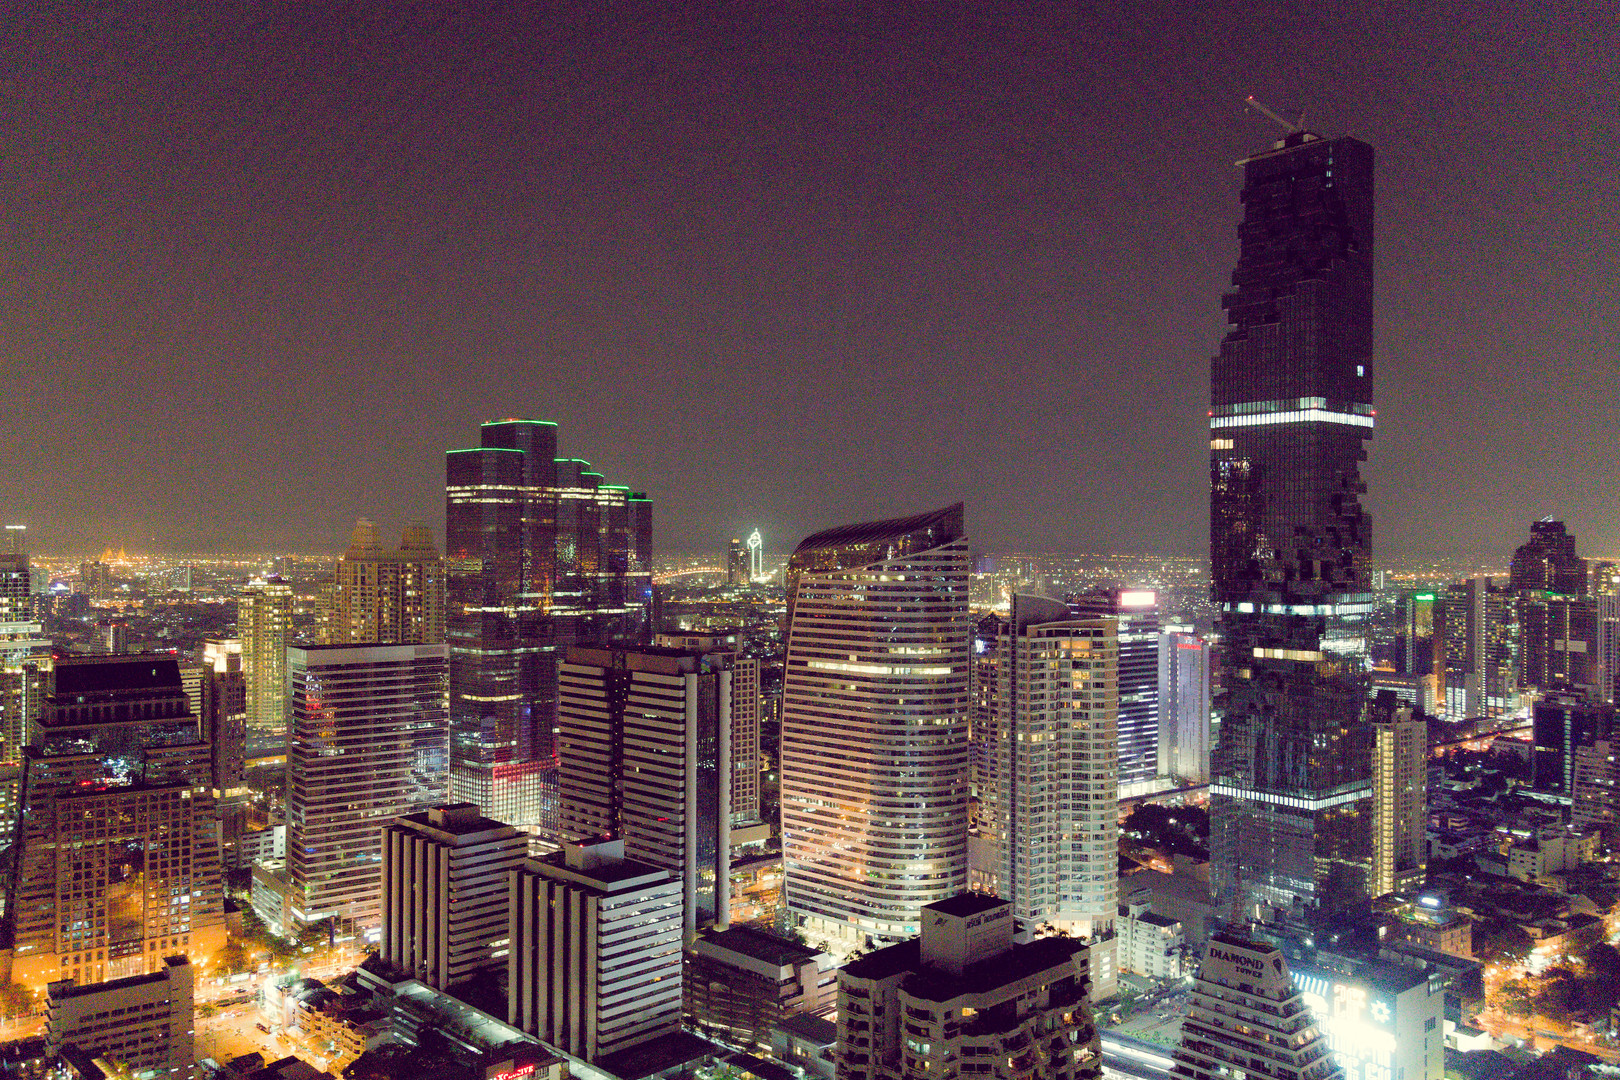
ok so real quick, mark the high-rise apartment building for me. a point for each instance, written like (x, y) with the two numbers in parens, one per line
(1479, 651)
(263, 615)
(1290, 414)
(595, 966)
(360, 714)
(875, 727)
(119, 844)
(1184, 703)
(1555, 614)
(1400, 807)
(1137, 611)
(445, 893)
(222, 708)
(541, 553)
(1052, 804)
(383, 596)
(144, 1023)
(646, 739)
(1596, 798)
(966, 999)
(1247, 1018)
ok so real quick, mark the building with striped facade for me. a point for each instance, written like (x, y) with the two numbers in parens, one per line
(444, 892)
(874, 790)
(595, 965)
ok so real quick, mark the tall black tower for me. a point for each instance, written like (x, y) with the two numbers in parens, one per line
(541, 553)
(1290, 416)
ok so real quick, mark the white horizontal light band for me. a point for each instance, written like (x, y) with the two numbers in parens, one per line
(1322, 803)
(1297, 416)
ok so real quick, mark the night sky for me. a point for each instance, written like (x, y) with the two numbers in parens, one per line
(787, 265)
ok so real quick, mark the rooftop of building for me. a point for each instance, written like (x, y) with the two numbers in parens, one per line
(116, 674)
(966, 904)
(916, 533)
(66, 988)
(931, 984)
(814, 1029)
(761, 946)
(656, 1055)
(457, 819)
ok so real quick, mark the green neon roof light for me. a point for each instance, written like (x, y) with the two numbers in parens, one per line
(518, 420)
(616, 487)
(587, 472)
(561, 460)
(483, 449)
(1424, 596)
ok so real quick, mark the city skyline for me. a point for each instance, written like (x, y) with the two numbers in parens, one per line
(275, 267)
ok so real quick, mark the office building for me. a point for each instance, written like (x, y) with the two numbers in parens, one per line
(445, 893)
(222, 709)
(1555, 614)
(1052, 805)
(595, 966)
(756, 556)
(963, 999)
(741, 983)
(24, 650)
(1247, 1018)
(746, 703)
(1400, 808)
(1380, 1019)
(119, 844)
(737, 564)
(263, 615)
(1137, 611)
(382, 596)
(360, 715)
(875, 727)
(1559, 725)
(541, 553)
(142, 1022)
(1479, 650)
(645, 736)
(1184, 701)
(1290, 415)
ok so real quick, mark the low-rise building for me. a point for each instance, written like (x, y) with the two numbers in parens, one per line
(1431, 921)
(809, 1044)
(965, 999)
(740, 983)
(143, 1022)
(1549, 851)
(1149, 945)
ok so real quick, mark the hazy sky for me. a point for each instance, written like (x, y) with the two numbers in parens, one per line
(787, 265)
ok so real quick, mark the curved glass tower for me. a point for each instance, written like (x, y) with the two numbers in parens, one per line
(1290, 415)
(875, 727)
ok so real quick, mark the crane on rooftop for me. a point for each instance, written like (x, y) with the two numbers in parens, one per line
(1288, 128)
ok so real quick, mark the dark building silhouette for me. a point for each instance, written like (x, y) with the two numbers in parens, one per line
(541, 553)
(1555, 614)
(1290, 415)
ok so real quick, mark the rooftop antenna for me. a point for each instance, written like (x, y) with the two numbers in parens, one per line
(1288, 128)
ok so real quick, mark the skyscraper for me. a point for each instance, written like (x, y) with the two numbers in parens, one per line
(737, 564)
(24, 650)
(1555, 614)
(263, 614)
(875, 727)
(359, 714)
(1479, 651)
(383, 596)
(1051, 806)
(1137, 611)
(646, 738)
(1400, 776)
(119, 864)
(541, 553)
(1290, 414)
(1184, 701)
